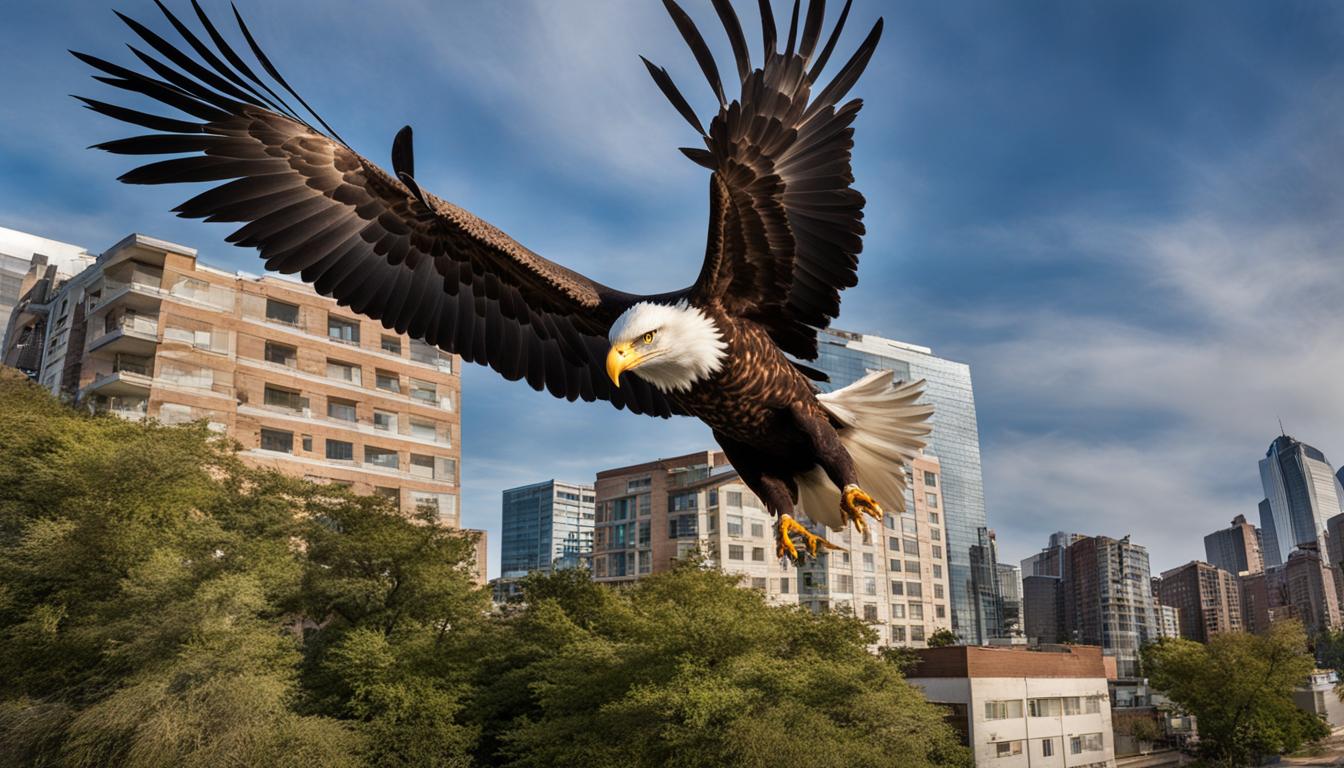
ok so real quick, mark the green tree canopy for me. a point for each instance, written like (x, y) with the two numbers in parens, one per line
(1239, 689)
(162, 604)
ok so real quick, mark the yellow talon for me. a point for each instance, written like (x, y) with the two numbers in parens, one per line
(784, 540)
(855, 503)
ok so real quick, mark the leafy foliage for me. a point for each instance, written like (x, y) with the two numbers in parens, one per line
(942, 637)
(1239, 689)
(161, 604)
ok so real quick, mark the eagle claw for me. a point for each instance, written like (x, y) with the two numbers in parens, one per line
(855, 503)
(784, 544)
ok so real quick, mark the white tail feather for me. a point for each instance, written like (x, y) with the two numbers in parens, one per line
(882, 427)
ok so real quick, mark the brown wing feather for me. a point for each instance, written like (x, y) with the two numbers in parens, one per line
(311, 205)
(786, 226)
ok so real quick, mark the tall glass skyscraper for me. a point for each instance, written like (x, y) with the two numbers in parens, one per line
(1301, 494)
(547, 526)
(955, 441)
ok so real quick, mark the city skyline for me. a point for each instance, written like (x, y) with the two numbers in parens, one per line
(1135, 268)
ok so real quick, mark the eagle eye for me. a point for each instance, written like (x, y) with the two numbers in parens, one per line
(648, 337)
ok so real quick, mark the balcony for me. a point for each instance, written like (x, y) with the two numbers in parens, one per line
(130, 408)
(130, 335)
(127, 382)
(140, 295)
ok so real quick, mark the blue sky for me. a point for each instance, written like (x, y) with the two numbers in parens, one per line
(1126, 217)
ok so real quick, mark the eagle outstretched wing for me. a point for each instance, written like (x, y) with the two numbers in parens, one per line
(375, 242)
(785, 226)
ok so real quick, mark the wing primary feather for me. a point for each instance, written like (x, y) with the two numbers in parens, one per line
(184, 83)
(143, 119)
(793, 30)
(703, 57)
(171, 53)
(669, 90)
(211, 59)
(849, 74)
(237, 61)
(768, 30)
(700, 157)
(733, 27)
(275, 73)
(816, 11)
(825, 56)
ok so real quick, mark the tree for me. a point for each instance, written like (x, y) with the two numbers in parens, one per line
(687, 669)
(942, 637)
(1239, 688)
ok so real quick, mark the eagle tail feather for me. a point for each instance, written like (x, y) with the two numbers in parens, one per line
(883, 427)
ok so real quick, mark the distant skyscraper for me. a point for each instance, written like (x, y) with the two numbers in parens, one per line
(955, 441)
(547, 526)
(1235, 549)
(1108, 599)
(1043, 608)
(1010, 587)
(1168, 621)
(1301, 494)
(1208, 599)
(1310, 590)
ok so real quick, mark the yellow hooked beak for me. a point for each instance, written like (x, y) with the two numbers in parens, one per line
(621, 358)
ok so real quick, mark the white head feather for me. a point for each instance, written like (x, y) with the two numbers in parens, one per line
(686, 346)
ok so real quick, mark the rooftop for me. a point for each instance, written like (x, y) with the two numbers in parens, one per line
(1075, 661)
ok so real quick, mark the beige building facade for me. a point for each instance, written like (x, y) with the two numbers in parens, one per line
(650, 515)
(305, 386)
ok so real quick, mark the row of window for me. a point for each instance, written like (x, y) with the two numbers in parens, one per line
(352, 373)
(1086, 742)
(427, 467)
(1007, 709)
(346, 331)
(347, 410)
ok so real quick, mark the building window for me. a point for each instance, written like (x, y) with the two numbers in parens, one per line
(339, 450)
(424, 391)
(911, 548)
(425, 430)
(734, 551)
(284, 398)
(1007, 748)
(936, 534)
(308, 443)
(938, 590)
(898, 588)
(909, 526)
(911, 566)
(784, 585)
(930, 479)
(280, 312)
(917, 611)
(897, 634)
(933, 518)
(734, 498)
(734, 525)
(385, 420)
(341, 410)
(1088, 742)
(870, 585)
(931, 499)
(894, 544)
(757, 530)
(387, 381)
(937, 571)
(391, 345)
(869, 612)
(277, 440)
(380, 457)
(393, 494)
(758, 554)
(914, 589)
(343, 330)
(916, 634)
(868, 565)
(422, 466)
(940, 611)
(343, 371)
(282, 354)
(1047, 747)
(937, 551)
(897, 611)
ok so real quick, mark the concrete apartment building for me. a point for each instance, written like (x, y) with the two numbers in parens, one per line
(307, 387)
(1309, 592)
(1017, 708)
(1235, 549)
(1208, 599)
(650, 515)
(547, 526)
(1168, 621)
(24, 260)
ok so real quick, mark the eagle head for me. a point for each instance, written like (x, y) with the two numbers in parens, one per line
(671, 346)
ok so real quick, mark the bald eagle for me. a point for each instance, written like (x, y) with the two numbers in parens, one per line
(785, 231)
